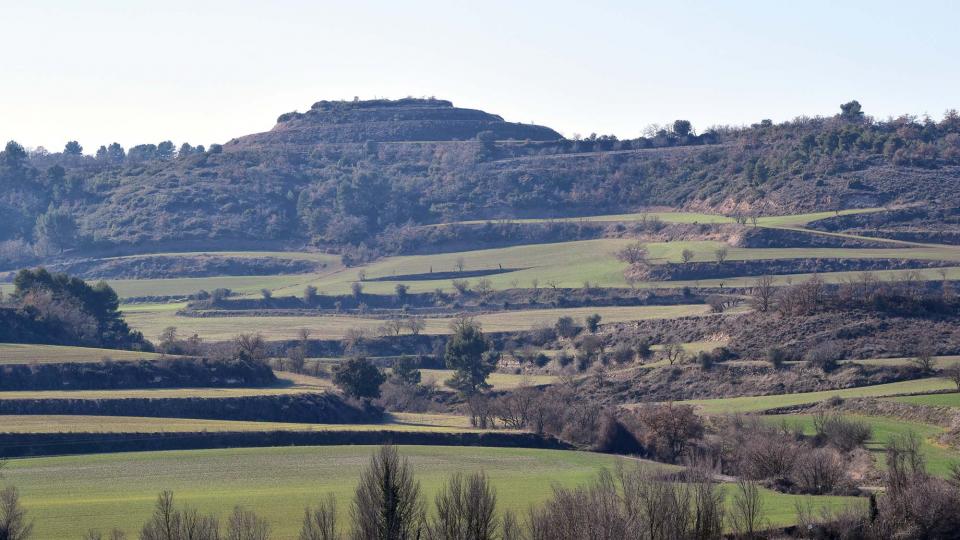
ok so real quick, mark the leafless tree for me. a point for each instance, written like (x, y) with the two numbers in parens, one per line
(923, 358)
(762, 294)
(320, 523)
(746, 512)
(387, 504)
(246, 525)
(953, 373)
(13, 518)
(686, 256)
(466, 510)
(721, 254)
(633, 254)
(673, 352)
(416, 325)
(459, 264)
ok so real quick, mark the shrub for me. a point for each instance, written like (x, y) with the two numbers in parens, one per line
(841, 432)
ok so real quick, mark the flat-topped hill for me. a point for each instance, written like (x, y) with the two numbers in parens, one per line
(409, 119)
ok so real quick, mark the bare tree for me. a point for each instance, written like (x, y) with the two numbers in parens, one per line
(673, 352)
(686, 256)
(746, 512)
(13, 518)
(633, 254)
(953, 373)
(721, 254)
(416, 325)
(246, 525)
(459, 264)
(924, 359)
(466, 510)
(387, 504)
(762, 294)
(321, 523)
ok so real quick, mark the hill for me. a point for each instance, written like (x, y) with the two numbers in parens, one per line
(346, 174)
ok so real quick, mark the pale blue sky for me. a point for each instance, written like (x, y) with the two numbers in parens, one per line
(132, 71)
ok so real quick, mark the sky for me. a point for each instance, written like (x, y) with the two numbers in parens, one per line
(202, 72)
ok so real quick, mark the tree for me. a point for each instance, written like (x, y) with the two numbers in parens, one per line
(923, 359)
(468, 354)
(245, 525)
(185, 150)
(359, 378)
(14, 155)
(566, 328)
(321, 523)
(166, 150)
(593, 322)
(953, 373)
(762, 294)
(309, 295)
(73, 148)
(673, 352)
(406, 371)
(357, 289)
(686, 256)
(682, 128)
(387, 504)
(115, 153)
(416, 325)
(746, 513)
(466, 509)
(459, 264)
(56, 228)
(851, 111)
(633, 254)
(401, 291)
(13, 520)
(721, 254)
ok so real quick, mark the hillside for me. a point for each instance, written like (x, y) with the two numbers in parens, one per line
(351, 173)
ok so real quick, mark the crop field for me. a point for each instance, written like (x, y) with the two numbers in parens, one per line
(938, 458)
(795, 220)
(435, 422)
(932, 400)
(760, 403)
(15, 353)
(152, 322)
(289, 383)
(69, 495)
(570, 264)
(499, 381)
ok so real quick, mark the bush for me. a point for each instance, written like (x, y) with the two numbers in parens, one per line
(824, 355)
(840, 432)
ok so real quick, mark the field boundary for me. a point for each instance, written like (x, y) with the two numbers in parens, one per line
(13, 445)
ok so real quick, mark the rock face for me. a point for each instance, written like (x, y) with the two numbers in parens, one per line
(390, 121)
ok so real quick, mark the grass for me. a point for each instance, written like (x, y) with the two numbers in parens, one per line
(686, 217)
(499, 381)
(570, 264)
(932, 400)
(132, 424)
(152, 322)
(71, 494)
(15, 353)
(760, 403)
(938, 458)
(288, 383)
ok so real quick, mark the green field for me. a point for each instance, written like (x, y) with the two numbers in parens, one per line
(69, 495)
(795, 220)
(760, 403)
(932, 400)
(152, 322)
(433, 422)
(499, 381)
(15, 353)
(938, 458)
